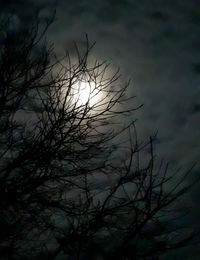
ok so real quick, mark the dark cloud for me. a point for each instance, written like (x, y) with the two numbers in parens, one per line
(156, 43)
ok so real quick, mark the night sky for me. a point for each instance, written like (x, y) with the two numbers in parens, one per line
(157, 45)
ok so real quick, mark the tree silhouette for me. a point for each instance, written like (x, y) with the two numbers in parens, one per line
(75, 180)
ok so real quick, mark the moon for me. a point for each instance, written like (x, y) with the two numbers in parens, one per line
(87, 93)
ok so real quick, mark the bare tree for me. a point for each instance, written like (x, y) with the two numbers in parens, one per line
(66, 189)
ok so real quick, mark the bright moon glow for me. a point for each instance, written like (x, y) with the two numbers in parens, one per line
(87, 92)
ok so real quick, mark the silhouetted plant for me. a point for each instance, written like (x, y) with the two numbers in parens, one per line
(75, 180)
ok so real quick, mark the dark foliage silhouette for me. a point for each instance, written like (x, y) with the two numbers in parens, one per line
(76, 183)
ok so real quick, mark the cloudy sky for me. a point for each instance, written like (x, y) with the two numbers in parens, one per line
(155, 43)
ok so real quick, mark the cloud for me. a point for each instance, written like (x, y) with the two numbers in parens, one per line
(156, 43)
